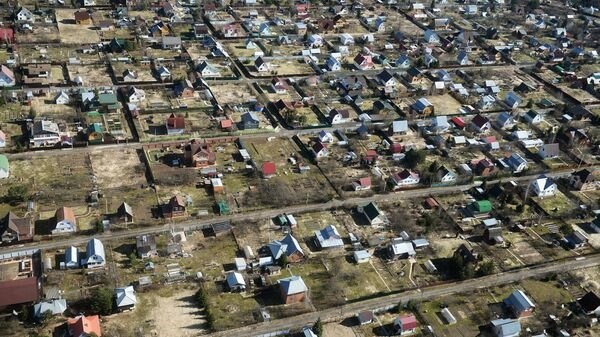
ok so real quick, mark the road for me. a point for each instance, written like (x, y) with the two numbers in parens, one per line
(348, 310)
(263, 214)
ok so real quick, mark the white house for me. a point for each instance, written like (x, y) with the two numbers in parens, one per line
(235, 281)
(207, 70)
(95, 256)
(549, 151)
(25, 15)
(372, 213)
(328, 237)
(513, 100)
(543, 187)
(431, 37)
(71, 257)
(516, 163)
(533, 117)
(65, 221)
(261, 65)
(403, 62)
(333, 64)
(387, 79)
(62, 98)
(346, 39)
(314, 41)
(125, 298)
(405, 178)
(135, 95)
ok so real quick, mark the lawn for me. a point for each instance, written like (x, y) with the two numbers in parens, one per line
(232, 310)
(555, 206)
(356, 280)
(546, 293)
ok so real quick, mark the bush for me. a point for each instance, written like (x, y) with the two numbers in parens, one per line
(101, 301)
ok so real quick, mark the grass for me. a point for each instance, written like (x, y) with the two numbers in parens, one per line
(210, 256)
(546, 293)
(556, 205)
(324, 291)
(232, 310)
(358, 281)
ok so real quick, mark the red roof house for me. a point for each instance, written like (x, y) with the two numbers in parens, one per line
(362, 184)
(268, 169)
(226, 124)
(405, 324)
(84, 326)
(458, 122)
(20, 291)
(7, 34)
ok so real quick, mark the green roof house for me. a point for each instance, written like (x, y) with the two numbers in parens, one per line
(95, 133)
(223, 207)
(482, 206)
(4, 167)
(109, 102)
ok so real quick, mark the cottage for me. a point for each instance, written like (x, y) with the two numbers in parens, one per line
(175, 125)
(261, 65)
(445, 175)
(268, 169)
(400, 249)
(25, 15)
(145, 246)
(288, 246)
(515, 162)
(83, 18)
(176, 207)
(372, 213)
(543, 186)
(532, 117)
(405, 178)
(346, 39)
(480, 123)
(206, 69)
(235, 282)
(505, 120)
(95, 256)
(504, 327)
(590, 304)
(512, 100)
(403, 62)
(64, 221)
(519, 304)
(82, 326)
(387, 79)
(363, 62)
(423, 106)
(14, 228)
(20, 291)
(71, 258)
(55, 307)
(365, 317)
(44, 133)
(184, 88)
(362, 184)
(319, 150)
(292, 289)
(462, 58)
(125, 298)
(549, 151)
(431, 37)
(361, 256)
(405, 324)
(328, 238)
(198, 154)
(249, 121)
(163, 73)
(135, 95)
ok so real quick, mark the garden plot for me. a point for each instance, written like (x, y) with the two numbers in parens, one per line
(73, 33)
(92, 75)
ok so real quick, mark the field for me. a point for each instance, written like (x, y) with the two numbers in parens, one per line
(143, 72)
(233, 94)
(444, 104)
(92, 75)
(43, 34)
(72, 33)
(44, 106)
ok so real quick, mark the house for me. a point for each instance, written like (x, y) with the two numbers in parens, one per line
(363, 62)
(493, 234)
(346, 39)
(405, 178)
(333, 64)
(387, 79)
(399, 127)
(405, 324)
(583, 180)
(64, 221)
(198, 154)
(519, 304)
(486, 102)
(94, 254)
(279, 85)
(338, 116)
(206, 69)
(403, 62)
(158, 29)
(84, 326)
(516, 163)
(55, 307)
(429, 60)
(163, 73)
(365, 317)
(422, 106)
(314, 41)
(462, 58)
(361, 256)
(7, 35)
(448, 316)
(184, 88)
(14, 228)
(307, 332)
(176, 207)
(7, 77)
(288, 246)
(468, 255)
(249, 121)
(480, 123)
(481, 206)
(512, 100)
(445, 175)
(24, 291)
(505, 120)
(549, 151)
(129, 75)
(125, 298)
(319, 150)
(4, 167)
(171, 42)
(71, 258)
(543, 186)
(431, 37)
(590, 304)
(261, 65)
(292, 289)
(399, 249)
(109, 102)
(175, 125)
(533, 117)
(83, 18)
(372, 213)
(439, 124)
(362, 184)
(24, 15)
(504, 327)
(328, 238)
(576, 240)
(135, 95)
(44, 133)
(325, 136)
(145, 246)
(268, 169)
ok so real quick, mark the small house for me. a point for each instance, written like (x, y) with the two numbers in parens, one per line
(268, 169)
(125, 298)
(125, 213)
(519, 304)
(512, 100)
(292, 289)
(516, 163)
(422, 106)
(405, 178)
(175, 125)
(261, 65)
(372, 213)
(362, 184)
(504, 327)
(505, 120)
(583, 180)
(549, 151)
(431, 37)
(249, 120)
(589, 304)
(64, 221)
(145, 246)
(84, 326)
(405, 324)
(328, 238)
(361, 256)
(480, 123)
(533, 117)
(288, 246)
(16, 229)
(399, 249)
(235, 282)
(54, 306)
(176, 207)
(71, 258)
(82, 18)
(95, 256)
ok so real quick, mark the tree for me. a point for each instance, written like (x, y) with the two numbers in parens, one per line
(283, 260)
(533, 4)
(129, 46)
(101, 301)
(566, 229)
(485, 268)
(318, 327)
(414, 158)
(434, 167)
(201, 298)
(16, 194)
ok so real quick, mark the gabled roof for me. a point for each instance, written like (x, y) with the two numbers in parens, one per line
(329, 237)
(403, 247)
(400, 126)
(542, 183)
(371, 211)
(125, 296)
(19, 291)
(518, 301)
(506, 327)
(84, 324)
(95, 247)
(589, 302)
(292, 285)
(288, 245)
(175, 122)
(479, 120)
(235, 279)
(56, 307)
(65, 213)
